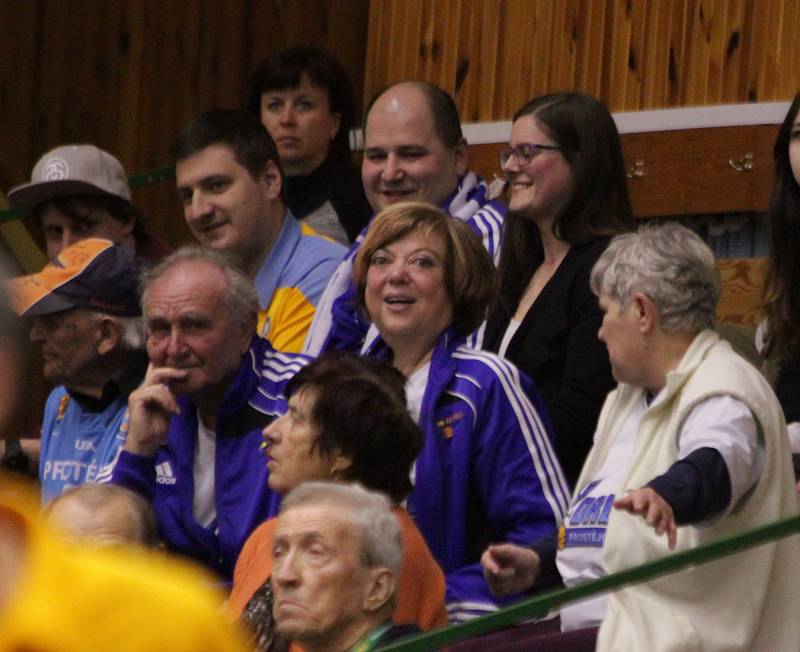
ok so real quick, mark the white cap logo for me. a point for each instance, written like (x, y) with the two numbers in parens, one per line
(55, 169)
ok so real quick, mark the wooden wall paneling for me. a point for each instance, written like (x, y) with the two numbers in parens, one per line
(409, 24)
(733, 60)
(678, 62)
(715, 37)
(788, 38)
(479, 83)
(378, 46)
(688, 172)
(655, 56)
(590, 42)
(756, 52)
(439, 24)
(375, 44)
(563, 45)
(618, 52)
(791, 81)
(770, 61)
(341, 27)
(523, 42)
(524, 49)
(773, 66)
(633, 55)
(634, 96)
(742, 284)
(18, 89)
(696, 81)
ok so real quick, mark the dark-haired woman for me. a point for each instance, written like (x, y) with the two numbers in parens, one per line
(567, 196)
(304, 98)
(782, 289)
(347, 421)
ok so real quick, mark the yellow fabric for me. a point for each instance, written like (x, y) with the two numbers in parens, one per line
(287, 320)
(81, 600)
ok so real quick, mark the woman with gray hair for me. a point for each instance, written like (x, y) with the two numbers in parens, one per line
(690, 445)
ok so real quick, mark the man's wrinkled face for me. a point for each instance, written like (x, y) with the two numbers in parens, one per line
(189, 327)
(319, 580)
(68, 341)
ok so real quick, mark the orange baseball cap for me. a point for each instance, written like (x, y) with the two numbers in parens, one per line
(92, 273)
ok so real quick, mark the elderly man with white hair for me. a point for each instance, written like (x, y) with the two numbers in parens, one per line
(691, 445)
(85, 318)
(336, 554)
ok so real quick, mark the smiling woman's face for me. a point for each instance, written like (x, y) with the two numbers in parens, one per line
(541, 187)
(405, 293)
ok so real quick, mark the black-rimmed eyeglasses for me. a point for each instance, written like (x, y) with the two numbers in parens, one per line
(523, 152)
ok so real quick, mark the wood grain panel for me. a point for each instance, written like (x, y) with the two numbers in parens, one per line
(689, 172)
(742, 284)
(127, 76)
(632, 55)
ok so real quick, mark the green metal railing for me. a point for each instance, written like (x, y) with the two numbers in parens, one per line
(541, 605)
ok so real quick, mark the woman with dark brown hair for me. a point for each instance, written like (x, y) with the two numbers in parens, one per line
(346, 421)
(304, 98)
(567, 197)
(782, 288)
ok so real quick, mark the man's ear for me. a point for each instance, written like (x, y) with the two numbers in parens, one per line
(646, 313)
(109, 335)
(246, 333)
(379, 589)
(462, 157)
(271, 177)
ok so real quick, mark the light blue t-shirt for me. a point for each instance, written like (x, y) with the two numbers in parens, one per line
(78, 445)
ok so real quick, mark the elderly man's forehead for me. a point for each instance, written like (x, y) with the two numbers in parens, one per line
(74, 318)
(200, 278)
(325, 521)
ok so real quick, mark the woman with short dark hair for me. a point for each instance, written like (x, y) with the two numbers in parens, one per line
(346, 421)
(304, 98)
(567, 197)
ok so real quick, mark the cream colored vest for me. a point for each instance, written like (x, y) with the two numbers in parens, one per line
(748, 602)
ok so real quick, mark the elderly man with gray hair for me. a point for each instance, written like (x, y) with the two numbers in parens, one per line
(691, 445)
(85, 318)
(194, 437)
(336, 554)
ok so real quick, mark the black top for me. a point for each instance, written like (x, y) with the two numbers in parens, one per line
(556, 345)
(341, 184)
(787, 389)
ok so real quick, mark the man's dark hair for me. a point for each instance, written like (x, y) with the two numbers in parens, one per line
(359, 408)
(251, 143)
(75, 207)
(444, 114)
